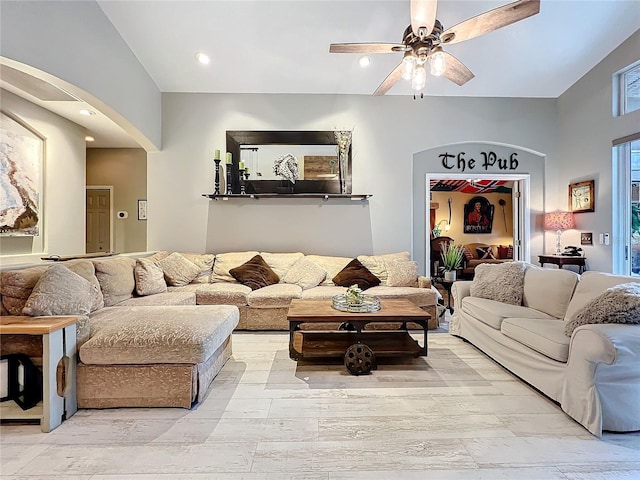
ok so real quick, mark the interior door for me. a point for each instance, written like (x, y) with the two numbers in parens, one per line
(98, 235)
(518, 220)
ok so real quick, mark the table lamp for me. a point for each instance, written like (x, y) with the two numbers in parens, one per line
(559, 221)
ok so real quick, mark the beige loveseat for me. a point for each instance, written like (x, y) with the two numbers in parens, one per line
(592, 371)
(158, 328)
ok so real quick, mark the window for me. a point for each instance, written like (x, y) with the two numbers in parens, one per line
(628, 90)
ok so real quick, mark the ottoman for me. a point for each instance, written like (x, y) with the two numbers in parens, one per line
(151, 356)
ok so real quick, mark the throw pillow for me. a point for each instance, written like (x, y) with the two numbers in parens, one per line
(619, 304)
(255, 273)
(356, 274)
(59, 291)
(467, 253)
(178, 271)
(305, 273)
(377, 264)
(116, 279)
(149, 277)
(204, 261)
(402, 274)
(485, 253)
(502, 282)
(226, 261)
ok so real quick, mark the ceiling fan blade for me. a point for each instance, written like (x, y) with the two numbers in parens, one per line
(490, 21)
(456, 71)
(366, 47)
(394, 77)
(423, 14)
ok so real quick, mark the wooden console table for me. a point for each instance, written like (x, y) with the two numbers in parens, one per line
(58, 343)
(562, 260)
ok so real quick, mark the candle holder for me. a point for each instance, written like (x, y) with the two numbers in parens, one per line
(216, 189)
(229, 179)
(241, 177)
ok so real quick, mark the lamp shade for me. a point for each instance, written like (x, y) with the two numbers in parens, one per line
(559, 221)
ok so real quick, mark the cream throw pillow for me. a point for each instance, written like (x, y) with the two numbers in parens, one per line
(281, 263)
(619, 304)
(402, 273)
(227, 261)
(377, 264)
(149, 277)
(331, 265)
(178, 271)
(305, 273)
(59, 291)
(502, 282)
(116, 279)
(204, 262)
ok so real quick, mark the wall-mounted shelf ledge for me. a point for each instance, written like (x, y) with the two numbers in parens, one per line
(256, 196)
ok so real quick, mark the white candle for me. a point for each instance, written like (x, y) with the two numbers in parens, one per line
(216, 156)
(241, 165)
(229, 158)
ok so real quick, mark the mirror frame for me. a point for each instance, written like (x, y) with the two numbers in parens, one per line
(238, 138)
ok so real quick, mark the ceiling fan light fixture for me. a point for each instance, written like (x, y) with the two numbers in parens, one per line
(419, 79)
(438, 62)
(408, 66)
(364, 61)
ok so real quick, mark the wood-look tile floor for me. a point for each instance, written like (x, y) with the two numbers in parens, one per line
(455, 415)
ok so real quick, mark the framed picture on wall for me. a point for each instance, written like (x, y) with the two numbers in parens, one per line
(581, 197)
(142, 209)
(478, 216)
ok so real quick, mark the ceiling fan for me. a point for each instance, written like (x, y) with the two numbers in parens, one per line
(423, 40)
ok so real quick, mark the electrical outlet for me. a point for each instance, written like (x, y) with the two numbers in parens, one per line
(601, 239)
(606, 239)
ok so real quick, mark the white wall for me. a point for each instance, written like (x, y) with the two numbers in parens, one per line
(387, 132)
(63, 198)
(76, 42)
(586, 130)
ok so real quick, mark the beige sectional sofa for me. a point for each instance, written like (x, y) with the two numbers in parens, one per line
(157, 329)
(545, 326)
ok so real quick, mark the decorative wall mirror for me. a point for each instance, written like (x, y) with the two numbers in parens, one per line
(316, 153)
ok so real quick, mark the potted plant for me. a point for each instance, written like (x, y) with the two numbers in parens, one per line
(452, 256)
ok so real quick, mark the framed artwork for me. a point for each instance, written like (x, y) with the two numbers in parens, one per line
(586, 238)
(21, 164)
(581, 197)
(478, 216)
(142, 209)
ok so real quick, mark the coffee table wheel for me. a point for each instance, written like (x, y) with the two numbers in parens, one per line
(347, 326)
(359, 359)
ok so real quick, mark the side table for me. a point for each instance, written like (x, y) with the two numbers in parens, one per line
(447, 284)
(562, 260)
(58, 343)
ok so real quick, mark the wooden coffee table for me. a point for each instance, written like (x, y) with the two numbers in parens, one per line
(352, 339)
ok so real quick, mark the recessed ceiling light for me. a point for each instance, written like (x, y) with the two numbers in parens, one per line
(89, 138)
(203, 58)
(87, 112)
(364, 61)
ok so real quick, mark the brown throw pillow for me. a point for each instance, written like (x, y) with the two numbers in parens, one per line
(255, 273)
(467, 253)
(356, 274)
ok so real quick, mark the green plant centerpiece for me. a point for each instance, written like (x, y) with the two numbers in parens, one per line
(354, 295)
(452, 256)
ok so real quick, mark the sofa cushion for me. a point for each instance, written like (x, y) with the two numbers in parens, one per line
(86, 270)
(501, 282)
(152, 335)
(331, 265)
(204, 261)
(178, 270)
(422, 297)
(274, 296)
(377, 264)
(223, 294)
(116, 278)
(160, 299)
(226, 261)
(493, 313)
(281, 263)
(354, 273)
(255, 273)
(322, 292)
(149, 277)
(544, 336)
(591, 285)
(548, 289)
(402, 273)
(305, 273)
(17, 285)
(59, 291)
(618, 304)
